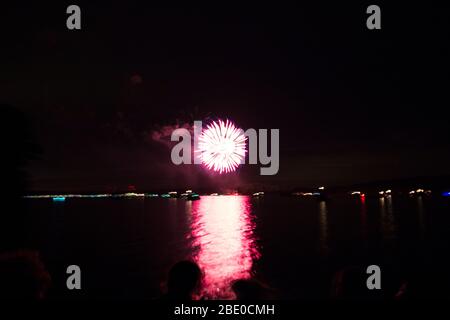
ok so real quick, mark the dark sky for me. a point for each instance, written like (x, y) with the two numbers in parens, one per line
(352, 105)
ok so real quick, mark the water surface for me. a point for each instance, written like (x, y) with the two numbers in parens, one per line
(126, 246)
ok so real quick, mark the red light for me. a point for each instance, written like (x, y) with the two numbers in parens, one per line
(222, 232)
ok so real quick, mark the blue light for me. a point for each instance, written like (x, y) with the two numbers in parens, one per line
(59, 199)
(446, 194)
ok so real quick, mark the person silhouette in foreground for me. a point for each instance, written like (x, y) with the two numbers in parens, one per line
(183, 281)
(23, 276)
(251, 289)
(425, 282)
(22, 272)
(19, 148)
(350, 284)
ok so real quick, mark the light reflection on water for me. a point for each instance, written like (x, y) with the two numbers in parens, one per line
(148, 236)
(323, 228)
(388, 223)
(223, 242)
(421, 213)
(363, 215)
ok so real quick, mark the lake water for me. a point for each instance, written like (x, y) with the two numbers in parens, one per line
(125, 247)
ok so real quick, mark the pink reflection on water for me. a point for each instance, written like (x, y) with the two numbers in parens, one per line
(223, 241)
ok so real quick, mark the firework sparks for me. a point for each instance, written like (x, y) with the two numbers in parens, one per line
(222, 146)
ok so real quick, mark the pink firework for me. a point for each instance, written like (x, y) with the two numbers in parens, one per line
(222, 146)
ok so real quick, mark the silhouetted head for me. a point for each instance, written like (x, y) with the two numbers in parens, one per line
(351, 283)
(23, 276)
(427, 281)
(250, 289)
(184, 279)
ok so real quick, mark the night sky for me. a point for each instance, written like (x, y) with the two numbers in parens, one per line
(352, 105)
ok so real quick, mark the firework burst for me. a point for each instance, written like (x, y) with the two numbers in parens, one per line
(221, 146)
